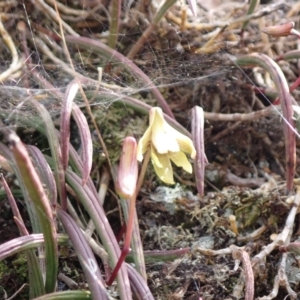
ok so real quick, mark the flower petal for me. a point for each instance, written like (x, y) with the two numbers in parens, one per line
(154, 158)
(185, 143)
(162, 166)
(162, 139)
(144, 144)
(180, 160)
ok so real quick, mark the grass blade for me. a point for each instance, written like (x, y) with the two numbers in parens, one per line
(55, 151)
(36, 284)
(26, 242)
(66, 109)
(67, 295)
(35, 190)
(85, 256)
(44, 173)
(86, 142)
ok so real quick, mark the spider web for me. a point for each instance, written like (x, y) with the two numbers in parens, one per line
(167, 59)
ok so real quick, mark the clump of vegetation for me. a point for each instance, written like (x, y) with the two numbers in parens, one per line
(96, 95)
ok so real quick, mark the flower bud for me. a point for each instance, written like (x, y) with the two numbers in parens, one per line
(280, 30)
(128, 169)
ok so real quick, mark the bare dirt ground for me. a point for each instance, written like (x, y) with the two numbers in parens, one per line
(192, 62)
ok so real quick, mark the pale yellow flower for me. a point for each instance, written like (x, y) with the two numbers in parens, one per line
(166, 144)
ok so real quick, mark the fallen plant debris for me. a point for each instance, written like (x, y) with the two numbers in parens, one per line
(78, 80)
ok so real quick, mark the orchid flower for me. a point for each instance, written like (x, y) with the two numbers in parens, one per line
(165, 144)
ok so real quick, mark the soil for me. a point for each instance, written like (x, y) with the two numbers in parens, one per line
(202, 254)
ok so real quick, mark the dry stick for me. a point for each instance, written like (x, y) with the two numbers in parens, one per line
(212, 46)
(54, 15)
(239, 116)
(248, 272)
(281, 280)
(17, 292)
(67, 10)
(152, 26)
(246, 182)
(141, 41)
(201, 26)
(16, 64)
(283, 236)
(224, 132)
(72, 284)
(210, 252)
(253, 235)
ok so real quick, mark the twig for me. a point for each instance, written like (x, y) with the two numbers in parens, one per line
(16, 64)
(283, 237)
(17, 292)
(210, 252)
(69, 11)
(51, 12)
(68, 281)
(248, 272)
(204, 26)
(253, 235)
(281, 280)
(240, 117)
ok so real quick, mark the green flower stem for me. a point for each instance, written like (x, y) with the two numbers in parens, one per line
(252, 6)
(143, 170)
